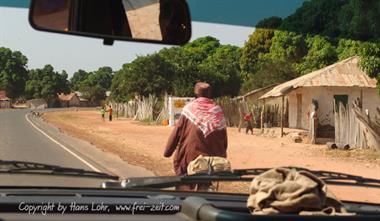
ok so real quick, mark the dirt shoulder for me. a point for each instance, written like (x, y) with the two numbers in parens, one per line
(143, 145)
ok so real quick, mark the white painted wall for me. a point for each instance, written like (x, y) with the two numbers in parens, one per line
(325, 98)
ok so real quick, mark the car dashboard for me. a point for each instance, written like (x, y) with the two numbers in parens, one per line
(100, 204)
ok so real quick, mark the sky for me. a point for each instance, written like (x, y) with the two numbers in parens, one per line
(71, 53)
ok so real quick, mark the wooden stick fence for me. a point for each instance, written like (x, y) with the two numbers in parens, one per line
(352, 127)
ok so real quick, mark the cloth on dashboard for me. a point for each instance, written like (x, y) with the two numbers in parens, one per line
(203, 164)
(284, 190)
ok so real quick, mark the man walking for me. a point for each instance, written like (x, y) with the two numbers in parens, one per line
(201, 130)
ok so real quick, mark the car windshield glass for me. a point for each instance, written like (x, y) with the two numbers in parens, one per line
(261, 84)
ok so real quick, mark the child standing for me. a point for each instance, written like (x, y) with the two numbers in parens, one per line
(248, 122)
(103, 112)
(110, 110)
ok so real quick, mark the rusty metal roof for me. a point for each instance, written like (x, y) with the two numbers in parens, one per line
(346, 73)
(3, 96)
(255, 91)
(66, 97)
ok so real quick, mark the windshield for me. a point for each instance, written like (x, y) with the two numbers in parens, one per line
(261, 84)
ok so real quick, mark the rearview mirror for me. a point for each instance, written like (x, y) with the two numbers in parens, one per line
(157, 21)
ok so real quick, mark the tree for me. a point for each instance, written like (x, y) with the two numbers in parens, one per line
(13, 73)
(46, 83)
(259, 43)
(315, 17)
(118, 86)
(144, 76)
(370, 59)
(271, 72)
(97, 83)
(348, 48)
(77, 78)
(321, 53)
(287, 46)
(222, 70)
(186, 62)
(269, 23)
(201, 48)
(359, 20)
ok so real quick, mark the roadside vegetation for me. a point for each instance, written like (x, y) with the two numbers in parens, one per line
(319, 33)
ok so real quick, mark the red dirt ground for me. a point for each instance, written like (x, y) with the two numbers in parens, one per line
(143, 145)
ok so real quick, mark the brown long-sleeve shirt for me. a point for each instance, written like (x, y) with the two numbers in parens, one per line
(188, 142)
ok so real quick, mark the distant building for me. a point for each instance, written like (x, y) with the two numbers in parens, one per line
(37, 104)
(5, 102)
(69, 100)
(83, 101)
(342, 82)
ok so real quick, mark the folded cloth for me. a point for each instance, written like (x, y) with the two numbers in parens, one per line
(202, 164)
(284, 190)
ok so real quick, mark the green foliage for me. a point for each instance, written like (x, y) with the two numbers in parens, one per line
(13, 73)
(186, 71)
(271, 72)
(77, 78)
(176, 70)
(370, 59)
(201, 48)
(318, 34)
(269, 23)
(46, 83)
(287, 46)
(222, 70)
(315, 17)
(360, 20)
(348, 48)
(259, 43)
(144, 76)
(97, 83)
(351, 19)
(321, 53)
(118, 87)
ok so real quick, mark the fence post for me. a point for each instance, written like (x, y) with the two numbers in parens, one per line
(282, 116)
(262, 117)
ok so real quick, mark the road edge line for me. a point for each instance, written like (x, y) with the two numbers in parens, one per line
(61, 145)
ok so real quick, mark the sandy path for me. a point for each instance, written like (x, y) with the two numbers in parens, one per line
(143, 145)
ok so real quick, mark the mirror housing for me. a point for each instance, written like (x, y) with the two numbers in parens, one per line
(152, 21)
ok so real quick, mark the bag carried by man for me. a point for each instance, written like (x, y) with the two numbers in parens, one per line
(208, 164)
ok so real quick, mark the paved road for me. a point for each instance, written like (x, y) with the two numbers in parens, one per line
(20, 141)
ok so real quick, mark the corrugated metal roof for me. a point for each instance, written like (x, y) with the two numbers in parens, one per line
(346, 73)
(254, 92)
(66, 97)
(3, 96)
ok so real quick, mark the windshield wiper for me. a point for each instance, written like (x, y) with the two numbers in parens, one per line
(21, 167)
(243, 175)
(329, 177)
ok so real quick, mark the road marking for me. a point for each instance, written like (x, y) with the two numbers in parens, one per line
(62, 146)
